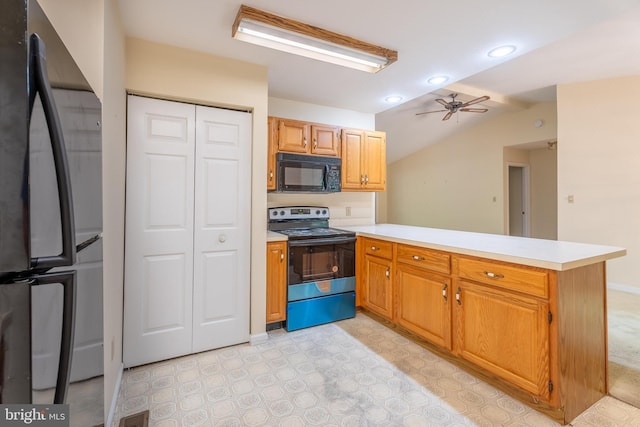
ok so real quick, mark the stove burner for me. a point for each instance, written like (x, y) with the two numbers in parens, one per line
(305, 233)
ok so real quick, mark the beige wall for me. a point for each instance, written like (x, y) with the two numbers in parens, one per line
(452, 184)
(347, 208)
(598, 164)
(184, 75)
(544, 193)
(113, 188)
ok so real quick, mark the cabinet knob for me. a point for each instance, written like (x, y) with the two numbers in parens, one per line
(366, 179)
(222, 238)
(493, 275)
(444, 291)
(458, 296)
(388, 272)
(362, 179)
(270, 175)
(281, 255)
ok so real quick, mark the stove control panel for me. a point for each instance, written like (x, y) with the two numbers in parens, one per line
(298, 212)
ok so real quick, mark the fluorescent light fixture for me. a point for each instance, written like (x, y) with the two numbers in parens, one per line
(501, 51)
(275, 32)
(436, 80)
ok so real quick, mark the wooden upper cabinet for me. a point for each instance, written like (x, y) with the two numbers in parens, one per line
(325, 140)
(271, 153)
(293, 136)
(364, 157)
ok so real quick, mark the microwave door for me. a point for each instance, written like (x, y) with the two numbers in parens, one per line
(39, 85)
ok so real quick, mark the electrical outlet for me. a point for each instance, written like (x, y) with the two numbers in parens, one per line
(348, 211)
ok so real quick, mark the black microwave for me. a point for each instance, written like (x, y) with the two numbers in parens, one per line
(310, 174)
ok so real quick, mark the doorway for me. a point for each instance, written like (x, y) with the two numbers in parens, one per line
(518, 200)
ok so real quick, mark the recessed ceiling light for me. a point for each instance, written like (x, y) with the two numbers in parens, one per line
(501, 51)
(436, 80)
(393, 99)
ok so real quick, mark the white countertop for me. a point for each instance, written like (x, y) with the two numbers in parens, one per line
(272, 236)
(550, 254)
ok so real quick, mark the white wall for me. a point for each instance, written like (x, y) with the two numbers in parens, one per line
(179, 74)
(598, 164)
(360, 205)
(452, 184)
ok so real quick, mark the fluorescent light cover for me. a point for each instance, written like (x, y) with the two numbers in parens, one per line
(436, 80)
(501, 51)
(264, 29)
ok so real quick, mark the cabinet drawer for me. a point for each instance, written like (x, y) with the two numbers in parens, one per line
(379, 248)
(529, 281)
(425, 258)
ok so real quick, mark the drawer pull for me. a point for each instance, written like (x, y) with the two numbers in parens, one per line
(418, 258)
(444, 291)
(388, 272)
(493, 275)
(375, 248)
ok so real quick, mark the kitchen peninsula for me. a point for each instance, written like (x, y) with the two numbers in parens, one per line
(526, 315)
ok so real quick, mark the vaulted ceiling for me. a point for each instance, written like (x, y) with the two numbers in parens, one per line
(558, 42)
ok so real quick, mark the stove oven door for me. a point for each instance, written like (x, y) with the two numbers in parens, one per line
(320, 259)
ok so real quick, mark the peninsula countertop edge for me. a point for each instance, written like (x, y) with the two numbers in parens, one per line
(550, 254)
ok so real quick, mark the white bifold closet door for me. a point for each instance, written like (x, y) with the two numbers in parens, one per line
(187, 229)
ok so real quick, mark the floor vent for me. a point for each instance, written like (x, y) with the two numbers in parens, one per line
(136, 420)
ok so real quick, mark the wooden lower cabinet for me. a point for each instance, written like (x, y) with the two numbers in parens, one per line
(539, 335)
(276, 282)
(505, 333)
(424, 304)
(378, 285)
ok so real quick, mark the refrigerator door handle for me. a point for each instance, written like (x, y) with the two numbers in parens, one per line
(39, 83)
(68, 281)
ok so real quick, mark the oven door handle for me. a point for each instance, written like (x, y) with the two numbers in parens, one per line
(322, 241)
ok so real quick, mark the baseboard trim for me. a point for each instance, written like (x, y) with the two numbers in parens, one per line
(623, 288)
(259, 338)
(114, 397)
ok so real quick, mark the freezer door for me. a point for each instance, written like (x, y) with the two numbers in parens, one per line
(15, 342)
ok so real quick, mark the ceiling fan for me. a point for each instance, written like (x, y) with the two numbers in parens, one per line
(453, 106)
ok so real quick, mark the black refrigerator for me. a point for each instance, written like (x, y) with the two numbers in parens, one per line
(51, 311)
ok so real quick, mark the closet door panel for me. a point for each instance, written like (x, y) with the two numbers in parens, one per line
(222, 228)
(159, 230)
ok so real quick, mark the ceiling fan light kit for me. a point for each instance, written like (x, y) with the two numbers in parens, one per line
(276, 32)
(453, 106)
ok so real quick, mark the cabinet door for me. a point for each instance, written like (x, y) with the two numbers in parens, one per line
(271, 153)
(375, 161)
(276, 281)
(424, 304)
(505, 333)
(325, 140)
(293, 136)
(378, 286)
(352, 175)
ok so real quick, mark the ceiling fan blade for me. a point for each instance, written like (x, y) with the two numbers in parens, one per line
(429, 112)
(447, 116)
(475, 101)
(474, 110)
(443, 102)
